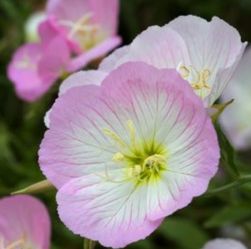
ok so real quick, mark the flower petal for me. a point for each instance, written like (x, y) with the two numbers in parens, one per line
(109, 63)
(55, 58)
(214, 46)
(112, 213)
(163, 106)
(23, 71)
(82, 78)
(105, 12)
(224, 244)
(158, 46)
(94, 53)
(24, 216)
(67, 10)
(234, 118)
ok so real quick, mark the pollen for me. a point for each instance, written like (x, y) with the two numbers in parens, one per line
(197, 79)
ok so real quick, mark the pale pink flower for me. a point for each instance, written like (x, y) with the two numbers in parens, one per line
(235, 119)
(204, 53)
(224, 244)
(24, 223)
(128, 153)
(89, 26)
(35, 67)
(73, 34)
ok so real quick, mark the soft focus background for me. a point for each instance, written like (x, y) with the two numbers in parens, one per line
(21, 129)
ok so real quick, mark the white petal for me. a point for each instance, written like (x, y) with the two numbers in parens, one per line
(224, 244)
(82, 78)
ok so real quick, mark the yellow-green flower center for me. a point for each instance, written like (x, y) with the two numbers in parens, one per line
(143, 161)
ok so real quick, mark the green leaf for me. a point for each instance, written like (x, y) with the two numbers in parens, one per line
(229, 215)
(184, 232)
(143, 244)
(227, 153)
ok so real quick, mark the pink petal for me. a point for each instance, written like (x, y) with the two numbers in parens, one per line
(158, 46)
(95, 53)
(55, 59)
(57, 170)
(105, 212)
(47, 31)
(215, 46)
(109, 63)
(82, 78)
(24, 216)
(68, 10)
(105, 12)
(23, 72)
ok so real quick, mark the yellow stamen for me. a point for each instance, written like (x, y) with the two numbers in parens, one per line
(153, 162)
(198, 79)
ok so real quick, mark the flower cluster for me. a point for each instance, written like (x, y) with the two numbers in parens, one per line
(132, 142)
(72, 34)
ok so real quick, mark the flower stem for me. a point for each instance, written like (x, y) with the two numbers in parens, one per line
(89, 244)
(238, 182)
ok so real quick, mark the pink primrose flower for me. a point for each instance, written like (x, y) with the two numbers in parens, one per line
(127, 152)
(73, 34)
(204, 53)
(35, 67)
(89, 26)
(24, 223)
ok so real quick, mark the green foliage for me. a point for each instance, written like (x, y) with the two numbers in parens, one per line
(184, 232)
(228, 154)
(230, 215)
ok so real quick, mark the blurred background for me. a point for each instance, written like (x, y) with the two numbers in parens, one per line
(21, 129)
